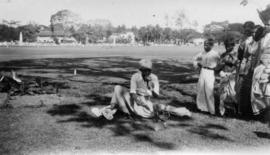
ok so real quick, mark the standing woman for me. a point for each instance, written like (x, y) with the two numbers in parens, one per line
(206, 61)
(227, 70)
(260, 92)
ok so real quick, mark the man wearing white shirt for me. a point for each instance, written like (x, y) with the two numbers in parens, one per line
(207, 61)
(144, 86)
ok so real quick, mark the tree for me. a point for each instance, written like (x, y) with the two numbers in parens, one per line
(8, 33)
(236, 27)
(29, 32)
(180, 19)
(120, 29)
(217, 30)
(222, 30)
(157, 33)
(11, 23)
(185, 35)
(167, 34)
(143, 35)
(236, 35)
(167, 20)
(63, 20)
(83, 33)
(135, 30)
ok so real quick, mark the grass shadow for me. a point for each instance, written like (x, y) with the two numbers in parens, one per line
(204, 132)
(64, 110)
(262, 134)
(121, 125)
(215, 126)
(189, 105)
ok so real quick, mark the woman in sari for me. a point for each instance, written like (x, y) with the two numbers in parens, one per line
(260, 93)
(227, 70)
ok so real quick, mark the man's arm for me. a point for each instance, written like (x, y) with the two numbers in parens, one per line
(196, 60)
(133, 88)
(153, 86)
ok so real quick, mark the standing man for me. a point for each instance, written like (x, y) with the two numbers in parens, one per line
(207, 61)
(244, 70)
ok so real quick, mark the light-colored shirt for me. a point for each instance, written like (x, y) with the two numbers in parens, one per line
(266, 42)
(265, 49)
(207, 59)
(139, 86)
(248, 45)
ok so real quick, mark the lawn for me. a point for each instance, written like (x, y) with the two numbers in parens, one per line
(51, 114)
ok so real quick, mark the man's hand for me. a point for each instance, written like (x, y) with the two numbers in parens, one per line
(136, 98)
(199, 65)
(139, 101)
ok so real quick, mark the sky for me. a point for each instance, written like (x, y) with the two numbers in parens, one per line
(133, 12)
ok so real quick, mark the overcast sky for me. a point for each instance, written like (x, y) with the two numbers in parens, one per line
(132, 12)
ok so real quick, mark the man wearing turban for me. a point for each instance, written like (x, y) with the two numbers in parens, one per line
(144, 86)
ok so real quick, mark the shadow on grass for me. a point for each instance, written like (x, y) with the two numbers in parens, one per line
(63, 110)
(146, 138)
(107, 67)
(97, 100)
(206, 133)
(215, 126)
(262, 134)
(189, 105)
(121, 125)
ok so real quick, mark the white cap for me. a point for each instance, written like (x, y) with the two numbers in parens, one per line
(145, 63)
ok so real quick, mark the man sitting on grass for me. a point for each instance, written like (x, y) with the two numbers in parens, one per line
(144, 85)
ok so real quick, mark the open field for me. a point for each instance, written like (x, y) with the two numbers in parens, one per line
(96, 51)
(51, 114)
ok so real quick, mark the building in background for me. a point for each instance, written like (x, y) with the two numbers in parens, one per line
(197, 41)
(47, 36)
(126, 38)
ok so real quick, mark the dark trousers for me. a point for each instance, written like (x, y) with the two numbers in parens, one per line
(245, 85)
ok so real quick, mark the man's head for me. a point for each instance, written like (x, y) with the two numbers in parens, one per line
(229, 44)
(145, 67)
(249, 28)
(260, 32)
(208, 44)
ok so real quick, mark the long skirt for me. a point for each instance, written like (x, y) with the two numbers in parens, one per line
(260, 94)
(227, 92)
(205, 91)
(121, 97)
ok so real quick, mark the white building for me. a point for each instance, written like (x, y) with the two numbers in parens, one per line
(46, 36)
(197, 41)
(129, 36)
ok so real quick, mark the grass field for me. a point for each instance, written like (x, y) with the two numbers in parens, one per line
(51, 115)
(96, 51)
